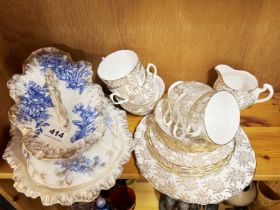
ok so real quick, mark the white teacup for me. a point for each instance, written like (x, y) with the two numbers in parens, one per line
(214, 117)
(143, 95)
(123, 73)
(183, 105)
(176, 92)
(176, 89)
(242, 84)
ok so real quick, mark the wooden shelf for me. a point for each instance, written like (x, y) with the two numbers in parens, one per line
(261, 123)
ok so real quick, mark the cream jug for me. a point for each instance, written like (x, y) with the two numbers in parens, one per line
(242, 84)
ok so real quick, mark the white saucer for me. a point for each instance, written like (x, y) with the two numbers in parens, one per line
(192, 159)
(147, 108)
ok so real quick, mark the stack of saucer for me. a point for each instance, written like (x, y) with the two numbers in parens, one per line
(68, 141)
(192, 147)
(135, 88)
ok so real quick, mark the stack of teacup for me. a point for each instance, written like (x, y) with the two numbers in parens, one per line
(133, 87)
(195, 110)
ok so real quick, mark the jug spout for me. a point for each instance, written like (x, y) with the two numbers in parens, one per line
(223, 69)
(236, 79)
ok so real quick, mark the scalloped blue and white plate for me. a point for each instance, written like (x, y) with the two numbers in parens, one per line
(57, 107)
(77, 179)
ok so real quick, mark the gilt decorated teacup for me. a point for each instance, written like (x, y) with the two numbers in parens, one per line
(176, 95)
(146, 94)
(214, 117)
(124, 74)
(184, 103)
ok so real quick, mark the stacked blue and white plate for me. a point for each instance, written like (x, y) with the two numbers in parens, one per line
(68, 141)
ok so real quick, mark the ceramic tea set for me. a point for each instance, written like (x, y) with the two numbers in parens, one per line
(69, 141)
(192, 147)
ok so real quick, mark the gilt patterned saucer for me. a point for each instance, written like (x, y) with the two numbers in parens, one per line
(57, 107)
(180, 158)
(77, 179)
(145, 109)
(212, 188)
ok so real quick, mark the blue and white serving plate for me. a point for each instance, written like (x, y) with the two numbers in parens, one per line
(58, 109)
(76, 179)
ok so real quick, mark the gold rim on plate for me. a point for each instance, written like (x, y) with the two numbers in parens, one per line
(179, 169)
(196, 145)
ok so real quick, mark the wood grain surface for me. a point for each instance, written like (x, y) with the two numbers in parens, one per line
(185, 39)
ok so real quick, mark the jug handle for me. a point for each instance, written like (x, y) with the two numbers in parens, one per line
(263, 89)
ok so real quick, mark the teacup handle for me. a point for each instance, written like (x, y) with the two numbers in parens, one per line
(148, 72)
(193, 133)
(164, 119)
(112, 97)
(175, 129)
(186, 131)
(263, 89)
(175, 106)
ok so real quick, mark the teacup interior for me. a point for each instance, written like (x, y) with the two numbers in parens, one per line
(117, 65)
(222, 117)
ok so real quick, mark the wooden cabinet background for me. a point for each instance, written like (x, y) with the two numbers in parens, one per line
(185, 39)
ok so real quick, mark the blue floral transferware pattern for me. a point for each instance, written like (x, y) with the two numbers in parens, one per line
(33, 106)
(81, 187)
(74, 74)
(108, 121)
(87, 124)
(81, 164)
(40, 96)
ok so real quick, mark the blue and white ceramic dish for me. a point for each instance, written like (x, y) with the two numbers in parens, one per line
(76, 179)
(57, 107)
